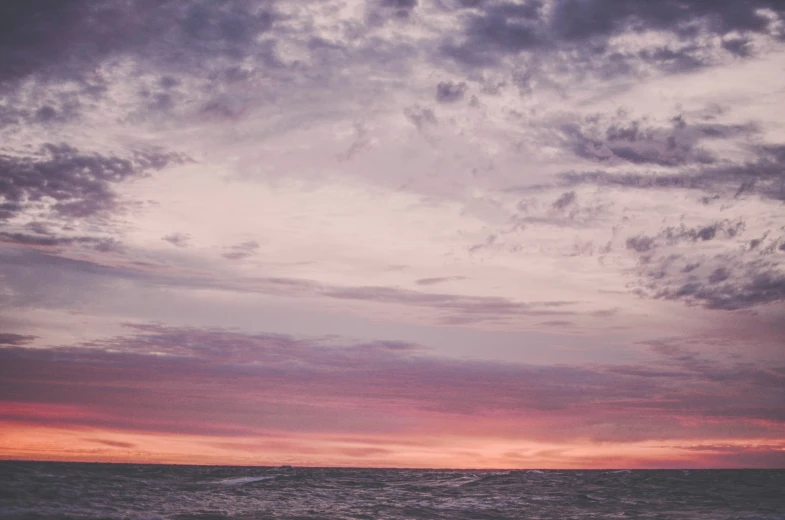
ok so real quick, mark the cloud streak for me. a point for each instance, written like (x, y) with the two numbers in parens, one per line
(301, 382)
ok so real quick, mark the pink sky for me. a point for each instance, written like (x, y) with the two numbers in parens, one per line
(420, 233)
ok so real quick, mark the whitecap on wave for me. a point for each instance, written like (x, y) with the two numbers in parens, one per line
(239, 481)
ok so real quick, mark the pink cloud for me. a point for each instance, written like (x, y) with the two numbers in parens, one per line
(203, 383)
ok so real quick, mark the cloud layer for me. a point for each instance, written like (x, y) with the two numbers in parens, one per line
(261, 385)
(561, 185)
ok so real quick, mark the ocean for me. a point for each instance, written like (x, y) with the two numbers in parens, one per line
(46, 490)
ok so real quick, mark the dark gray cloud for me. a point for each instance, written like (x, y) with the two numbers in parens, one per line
(103, 245)
(57, 58)
(171, 40)
(679, 354)
(732, 280)
(680, 59)
(54, 108)
(240, 251)
(622, 139)
(449, 92)
(404, 5)
(421, 117)
(157, 366)
(398, 346)
(67, 39)
(400, 4)
(32, 34)
(673, 264)
(6, 338)
(580, 19)
(177, 239)
(434, 281)
(111, 443)
(741, 47)
(557, 324)
(764, 176)
(724, 229)
(731, 289)
(379, 12)
(565, 200)
(641, 244)
(79, 183)
(495, 28)
(56, 40)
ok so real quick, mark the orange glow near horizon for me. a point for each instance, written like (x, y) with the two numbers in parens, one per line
(78, 444)
(226, 398)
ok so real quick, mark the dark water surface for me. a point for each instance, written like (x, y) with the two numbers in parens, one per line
(67, 490)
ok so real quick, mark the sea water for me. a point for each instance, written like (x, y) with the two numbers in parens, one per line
(45, 490)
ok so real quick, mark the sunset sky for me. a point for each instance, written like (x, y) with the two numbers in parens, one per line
(406, 233)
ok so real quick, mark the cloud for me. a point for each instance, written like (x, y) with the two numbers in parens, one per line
(712, 170)
(297, 384)
(35, 278)
(127, 62)
(78, 184)
(623, 139)
(577, 20)
(739, 46)
(494, 28)
(557, 323)
(725, 229)
(434, 281)
(422, 118)
(497, 148)
(400, 8)
(565, 200)
(448, 92)
(640, 244)
(53, 38)
(761, 177)
(454, 309)
(240, 251)
(112, 444)
(48, 241)
(743, 455)
(674, 268)
(40, 278)
(6, 338)
(178, 239)
(746, 289)
(585, 32)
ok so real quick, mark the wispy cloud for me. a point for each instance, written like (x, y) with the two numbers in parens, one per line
(15, 339)
(313, 377)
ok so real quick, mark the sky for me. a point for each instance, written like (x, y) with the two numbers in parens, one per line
(393, 233)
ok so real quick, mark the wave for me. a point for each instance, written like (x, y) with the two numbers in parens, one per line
(487, 478)
(239, 481)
